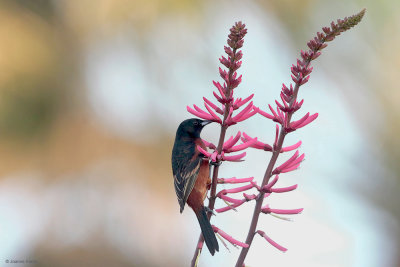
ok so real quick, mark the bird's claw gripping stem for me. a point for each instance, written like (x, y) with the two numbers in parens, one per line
(218, 163)
(208, 210)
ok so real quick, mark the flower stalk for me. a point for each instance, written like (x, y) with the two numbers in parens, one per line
(229, 104)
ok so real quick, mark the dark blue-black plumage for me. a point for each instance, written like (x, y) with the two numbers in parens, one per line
(187, 163)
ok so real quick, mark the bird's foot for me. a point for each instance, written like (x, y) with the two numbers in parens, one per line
(208, 210)
(218, 163)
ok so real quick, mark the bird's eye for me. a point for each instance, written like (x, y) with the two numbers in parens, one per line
(196, 123)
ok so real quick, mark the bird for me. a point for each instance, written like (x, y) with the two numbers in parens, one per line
(191, 175)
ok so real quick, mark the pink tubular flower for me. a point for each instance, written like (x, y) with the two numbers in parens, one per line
(202, 115)
(229, 238)
(267, 209)
(265, 114)
(234, 158)
(240, 147)
(237, 203)
(239, 102)
(230, 207)
(272, 242)
(267, 188)
(246, 113)
(234, 180)
(212, 113)
(229, 199)
(208, 144)
(204, 152)
(303, 121)
(211, 104)
(249, 197)
(231, 141)
(290, 165)
(292, 147)
(257, 144)
(284, 189)
(236, 190)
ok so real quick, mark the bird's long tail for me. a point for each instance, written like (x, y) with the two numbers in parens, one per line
(208, 232)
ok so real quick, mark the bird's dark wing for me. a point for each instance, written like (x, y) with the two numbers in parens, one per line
(185, 178)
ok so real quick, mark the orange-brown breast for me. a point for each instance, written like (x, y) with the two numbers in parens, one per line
(199, 192)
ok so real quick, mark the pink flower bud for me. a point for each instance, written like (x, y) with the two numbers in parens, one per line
(285, 99)
(295, 80)
(326, 30)
(303, 81)
(315, 55)
(220, 89)
(228, 51)
(223, 74)
(280, 106)
(225, 62)
(221, 100)
(273, 111)
(297, 105)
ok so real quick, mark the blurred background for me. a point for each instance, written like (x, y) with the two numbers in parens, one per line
(91, 94)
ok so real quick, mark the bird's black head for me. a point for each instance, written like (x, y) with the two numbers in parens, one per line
(191, 127)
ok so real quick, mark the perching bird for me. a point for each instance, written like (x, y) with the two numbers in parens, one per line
(191, 175)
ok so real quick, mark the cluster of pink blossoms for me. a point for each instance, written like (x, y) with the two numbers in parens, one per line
(227, 103)
(225, 111)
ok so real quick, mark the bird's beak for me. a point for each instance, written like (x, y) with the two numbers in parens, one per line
(205, 122)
